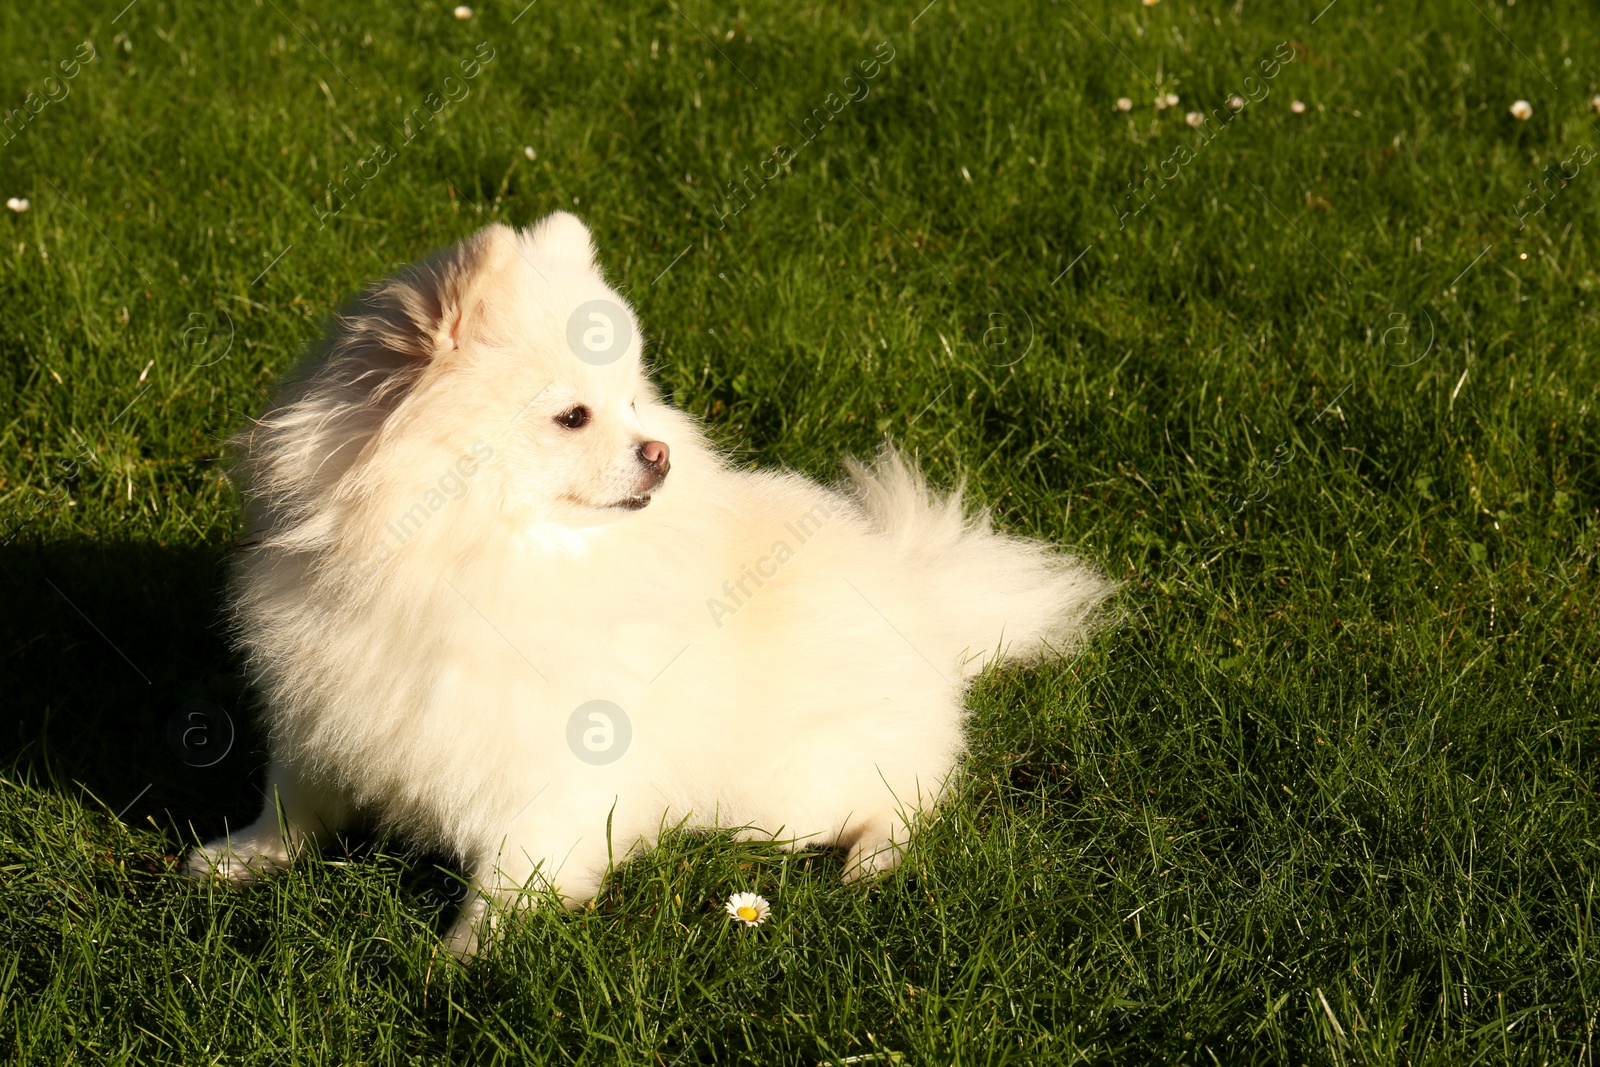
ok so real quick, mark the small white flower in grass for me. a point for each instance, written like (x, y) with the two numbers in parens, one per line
(1522, 111)
(1594, 103)
(1297, 106)
(1151, 3)
(528, 151)
(18, 204)
(749, 908)
(1194, 118)
(1236, 102)
(463, 12)
(1126, 104)
(1171, 99)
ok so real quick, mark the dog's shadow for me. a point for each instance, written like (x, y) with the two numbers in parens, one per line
(124, 693)
(114, 663)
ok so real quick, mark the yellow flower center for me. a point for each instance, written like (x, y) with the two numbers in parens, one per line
(748, 914)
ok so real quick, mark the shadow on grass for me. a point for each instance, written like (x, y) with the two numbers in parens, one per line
(114, 663)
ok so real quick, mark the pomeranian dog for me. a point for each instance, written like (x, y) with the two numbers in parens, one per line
(500, 598)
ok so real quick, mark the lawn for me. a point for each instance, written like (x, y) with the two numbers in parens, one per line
(1313, 382)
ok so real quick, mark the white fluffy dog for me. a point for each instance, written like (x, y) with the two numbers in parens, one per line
(499, 597)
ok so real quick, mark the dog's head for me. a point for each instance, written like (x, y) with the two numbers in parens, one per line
(529, 354)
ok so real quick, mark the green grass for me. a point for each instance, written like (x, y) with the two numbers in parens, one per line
(1328, 793)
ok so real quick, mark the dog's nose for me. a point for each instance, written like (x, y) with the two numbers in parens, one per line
(654, 454)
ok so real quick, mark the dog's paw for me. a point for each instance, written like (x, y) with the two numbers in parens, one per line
(878, 849)
(474, 926)
(462, 941)
(867, 866)
(235, 860)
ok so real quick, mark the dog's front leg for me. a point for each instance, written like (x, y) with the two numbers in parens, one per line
(507, 881)
(298, 812)
(876, 845)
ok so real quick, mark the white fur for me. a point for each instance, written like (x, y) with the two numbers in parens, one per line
(792, 658)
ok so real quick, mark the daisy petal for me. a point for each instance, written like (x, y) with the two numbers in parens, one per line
(751, 909)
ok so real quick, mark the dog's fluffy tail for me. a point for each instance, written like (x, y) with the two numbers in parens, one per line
(988, 595)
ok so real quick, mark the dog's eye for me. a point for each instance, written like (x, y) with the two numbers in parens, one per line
(574, 418)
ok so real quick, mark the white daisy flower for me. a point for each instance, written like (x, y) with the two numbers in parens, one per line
(1297, 106)
(1194, 118)
(1126, 104)
(751, 909)
(18, 204)
(528, 151)
(1236, 102)
(1522, 111)
(463, 12)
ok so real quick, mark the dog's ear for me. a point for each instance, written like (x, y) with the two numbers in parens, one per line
(428, 310)
(480, 261)
(562, 238)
